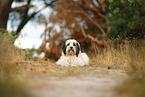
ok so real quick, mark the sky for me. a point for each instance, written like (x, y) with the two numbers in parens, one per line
(30, 34)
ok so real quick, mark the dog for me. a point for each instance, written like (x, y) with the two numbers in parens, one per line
(72, 55)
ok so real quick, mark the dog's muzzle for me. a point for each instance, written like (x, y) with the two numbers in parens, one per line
(71, 50)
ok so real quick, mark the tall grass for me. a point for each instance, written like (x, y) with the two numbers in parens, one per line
(129, 56)
(9, 84)
(8, 54)
(115, 58)
(134, 86)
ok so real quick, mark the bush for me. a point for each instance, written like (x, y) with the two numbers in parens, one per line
(126, 20)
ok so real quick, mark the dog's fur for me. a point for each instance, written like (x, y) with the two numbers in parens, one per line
(71, 55)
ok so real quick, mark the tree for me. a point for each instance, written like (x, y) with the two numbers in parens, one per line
(22, 11)
(94, 23)
(82, 20)
(127, 20)
(5, 8)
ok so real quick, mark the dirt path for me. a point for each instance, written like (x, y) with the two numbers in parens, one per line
(99, 84)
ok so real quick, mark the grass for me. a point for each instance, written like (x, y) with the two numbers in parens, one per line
(129, 57)
(114, 58)
(134, 85)
(10, 86)
(111, 59)
(8, 55)
(51, 69)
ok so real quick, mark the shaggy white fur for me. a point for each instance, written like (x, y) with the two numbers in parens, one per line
(72, 59)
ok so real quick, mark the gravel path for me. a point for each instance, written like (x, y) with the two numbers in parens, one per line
(84, 85)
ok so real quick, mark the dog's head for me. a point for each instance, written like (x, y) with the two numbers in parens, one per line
(71, 47)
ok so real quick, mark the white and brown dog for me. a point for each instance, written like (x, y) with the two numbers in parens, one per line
(71, 55)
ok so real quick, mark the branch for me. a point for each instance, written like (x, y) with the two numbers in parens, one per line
(98, 12)
(139, 14)
(51, 3)
(93, 9)
(101, 29)
(25, 20)
(99, 42)
(23, 7)
(82, 11)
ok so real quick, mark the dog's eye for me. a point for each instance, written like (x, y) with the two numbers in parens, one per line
(68, 44)
(74, 44)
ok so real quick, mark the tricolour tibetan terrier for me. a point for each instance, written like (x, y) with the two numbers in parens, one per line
(71, 55)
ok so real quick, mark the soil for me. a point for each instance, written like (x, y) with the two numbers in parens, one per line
(98, 84)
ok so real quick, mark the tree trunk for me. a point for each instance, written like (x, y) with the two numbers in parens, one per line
(5, 7)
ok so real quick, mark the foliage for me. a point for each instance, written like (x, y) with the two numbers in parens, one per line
(2, 31)
(127, 19)
(99, 22)
(28, 53)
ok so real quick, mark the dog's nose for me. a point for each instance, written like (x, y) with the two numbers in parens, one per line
(71, 47)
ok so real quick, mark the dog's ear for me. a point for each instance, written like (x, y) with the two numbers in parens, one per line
(77, 49)
(63, 46)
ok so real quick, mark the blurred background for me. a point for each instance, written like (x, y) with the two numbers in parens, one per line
(111, 32)
(45, 24)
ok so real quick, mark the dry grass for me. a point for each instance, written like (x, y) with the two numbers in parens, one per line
(131, 57)
(8, 54)
(114, 58)
(125, 57)
(51, 69)
(10, 86)
(134, 85)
